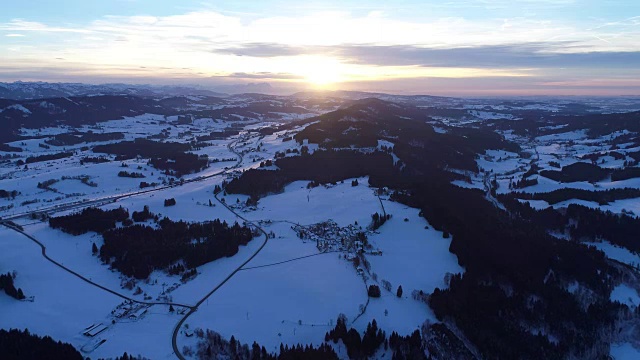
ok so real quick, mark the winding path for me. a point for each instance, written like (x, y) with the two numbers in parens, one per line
(97, 202)
(290, 260)
(114, 198)
(44, 254)
(111, 199)
(5, 222)
(176, 330)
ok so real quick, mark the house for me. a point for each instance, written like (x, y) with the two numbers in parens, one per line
(138, 313)
(95, 330)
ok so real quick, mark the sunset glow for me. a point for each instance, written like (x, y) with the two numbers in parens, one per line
(529, 45)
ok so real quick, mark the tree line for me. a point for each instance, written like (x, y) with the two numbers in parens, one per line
(358, 347)
(68, 139)
(8, 194)
(89, 219)
(172, 157)
(582, 223)
(22, 345)
(138, 250)
(212, 345)
(7, 284)
(40, 158)
(321, 166)
(603, 197)
(493, 246)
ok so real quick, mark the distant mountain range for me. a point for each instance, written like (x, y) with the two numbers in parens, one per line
(40, 90)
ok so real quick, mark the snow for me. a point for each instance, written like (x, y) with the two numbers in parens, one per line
(501, 162)
(399, 239)
(536, 204)
(261, 303)
(63, 306)
(616, 252)
(17, 107)
(547, 185)
(624, 351)
(489, 115)
(291, 293)
(323, 203)
(566, 136)
(618, 206)
(625, 295)
(477, 184)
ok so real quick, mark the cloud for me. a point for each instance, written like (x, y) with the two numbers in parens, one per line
(527, 55)
(264, 76)
(23, 25)
(532, 55)
(263, 50)
(15, 35)
(355, 47)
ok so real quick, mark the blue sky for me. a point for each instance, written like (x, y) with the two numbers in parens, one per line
(470, 47)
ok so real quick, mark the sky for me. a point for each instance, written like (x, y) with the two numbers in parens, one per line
(465, 48)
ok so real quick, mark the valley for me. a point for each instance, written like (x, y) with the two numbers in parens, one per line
(268, 218)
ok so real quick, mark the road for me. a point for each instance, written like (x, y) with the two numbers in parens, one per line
(176, 330)
(110, 199)
(114, 198)
(44, 254)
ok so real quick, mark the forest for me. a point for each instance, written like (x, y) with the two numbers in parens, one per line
(139, 249)
(8, 194)
(594, 224)
(89, 219)
(321, 166)
(579, 171)
(76, 111)
(172, 157)
(40, 158)
(69, 139)
(7, 284)
(94, 160)
(374, 119)
(134, 175)
(212, 346)
(602, 197)
(9, 148)
(583, 223)
(625, 173)
(22, 345)
(358, 347)
(497, 250)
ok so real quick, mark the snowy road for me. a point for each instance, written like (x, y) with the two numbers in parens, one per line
(111, 199)
(44, 254)
(176, 331)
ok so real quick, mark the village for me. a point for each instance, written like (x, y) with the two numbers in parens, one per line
(329, 237)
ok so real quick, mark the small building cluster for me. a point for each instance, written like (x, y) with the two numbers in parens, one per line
(94, 330)
(130, 310)
(330, 237)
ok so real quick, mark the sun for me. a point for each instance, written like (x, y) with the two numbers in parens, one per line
(322, 72)
(323, 77)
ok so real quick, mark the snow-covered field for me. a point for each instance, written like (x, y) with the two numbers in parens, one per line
(270, 302)
(624, 351)
(298, 301)
(291, 292)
